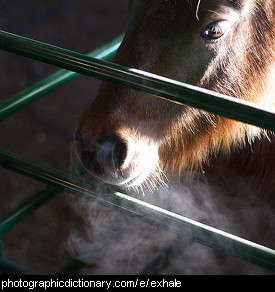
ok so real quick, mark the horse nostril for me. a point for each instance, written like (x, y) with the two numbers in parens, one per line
(89, 160)
(105, 157)
(120, 152)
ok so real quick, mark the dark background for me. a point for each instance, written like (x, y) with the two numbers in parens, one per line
(78, 25)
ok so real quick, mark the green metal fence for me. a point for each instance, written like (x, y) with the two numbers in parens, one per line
(94, 65)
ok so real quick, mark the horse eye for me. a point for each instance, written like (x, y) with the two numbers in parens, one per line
(214, 30)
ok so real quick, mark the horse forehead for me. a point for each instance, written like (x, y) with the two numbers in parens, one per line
(208, 5)
(234, 3)
(155, 7)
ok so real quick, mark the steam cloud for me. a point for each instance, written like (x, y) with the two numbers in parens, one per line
(110, 242)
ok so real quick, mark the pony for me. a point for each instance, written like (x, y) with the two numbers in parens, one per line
(128, 138)
(135, 141)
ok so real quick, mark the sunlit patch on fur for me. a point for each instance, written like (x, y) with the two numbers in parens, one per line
(141, 164)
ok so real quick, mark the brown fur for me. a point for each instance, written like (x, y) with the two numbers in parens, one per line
(225, 167)
(160, 35)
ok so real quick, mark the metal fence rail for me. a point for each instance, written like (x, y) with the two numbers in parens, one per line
(172, 90)
(199, 232)
(162, 87)
(52, 82)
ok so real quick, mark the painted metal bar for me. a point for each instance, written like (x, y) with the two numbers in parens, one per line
(183, 226)
(168, 89)
(52, 82)
(28, 96)
(30, 205)
(16, 215)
